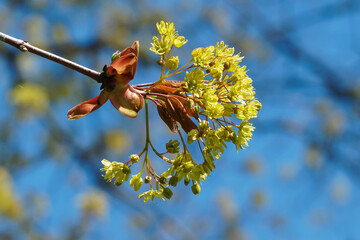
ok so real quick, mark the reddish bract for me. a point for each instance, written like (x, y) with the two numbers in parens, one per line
(116, 88)
(174, 108)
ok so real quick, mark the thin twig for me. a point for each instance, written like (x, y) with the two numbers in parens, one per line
(24, 46)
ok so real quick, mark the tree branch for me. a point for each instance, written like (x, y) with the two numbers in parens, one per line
(24, 46)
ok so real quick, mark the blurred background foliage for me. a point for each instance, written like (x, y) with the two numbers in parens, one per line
(298, 179)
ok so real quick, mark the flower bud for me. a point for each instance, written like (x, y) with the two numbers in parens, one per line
(176, 163)
(197, 109)
(136, 182)
(196, 189)
(186, 180)
(188, 166)
(118, 182)
(127, 176)
(172, 63)
(197, 52)
(204, 126)
(160, 62)
(226, 66)
(190, 103)
(179, 41)
(193, 135)
(125, 169)
(167, 193)
(134, 158)
(147, 179)
(173, 146)
(233, 137)
(115, 56)
(173, 181)
(206, 167)
(216, 73)
(162, 180)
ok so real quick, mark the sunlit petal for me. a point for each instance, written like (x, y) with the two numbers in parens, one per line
(128, 101)
(88, 106)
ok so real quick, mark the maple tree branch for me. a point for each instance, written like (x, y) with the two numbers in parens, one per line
(24, 46)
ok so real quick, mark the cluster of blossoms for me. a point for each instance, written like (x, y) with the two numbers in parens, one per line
(215, 90)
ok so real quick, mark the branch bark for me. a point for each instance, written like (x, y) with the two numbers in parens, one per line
(24, 46)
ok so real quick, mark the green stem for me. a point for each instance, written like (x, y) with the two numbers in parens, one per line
(147, 123)
(146, 148)
(178, 70)
(159, 155)
(162, 67)
(141, 153)
(145, 159)
(183, 66)
(162, 77)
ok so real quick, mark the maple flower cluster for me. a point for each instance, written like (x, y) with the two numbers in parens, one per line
(213, 105)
